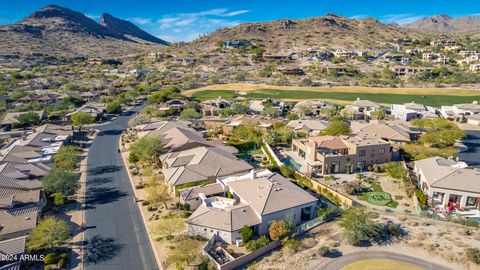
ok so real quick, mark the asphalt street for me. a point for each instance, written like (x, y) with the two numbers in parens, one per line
(111, 212)
(472, 155)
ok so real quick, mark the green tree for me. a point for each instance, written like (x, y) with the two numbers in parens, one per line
(157, 191)
(189, 114)
(148, 149)
(28, 119)
(379, 114)
(396, 170)
(292, 116)
(247, 234)
(247, 133)
(80, 119)
(18, 94)
(67, 158)
(358, 225)
(50, 233)
(337, 128)
(113, 106)
(60, 181)
(58, 199)
(272, 137)
(278, 230)
(239, 108)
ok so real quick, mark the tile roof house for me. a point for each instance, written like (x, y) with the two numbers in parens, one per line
(449, 184)
(459, 111)
(178, 136)
(312, 127)
(96, 109)
(341, 154)
(192, 197)
(199, 164)
(361, 109)
(259, 197)
(244, 120)
(11, 118)
(409, 111)
(212, 107)
(19, 221)
(393, 133)
(311, 107)
(47, 98)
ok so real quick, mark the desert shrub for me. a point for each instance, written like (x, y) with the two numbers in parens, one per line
(50, 258)
(256, 244)
(473, 255)
(323, 251)
(290, 246)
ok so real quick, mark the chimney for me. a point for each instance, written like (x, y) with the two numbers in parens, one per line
(310, 152)
(253, 174)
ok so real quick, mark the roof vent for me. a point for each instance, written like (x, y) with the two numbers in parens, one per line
(244, 210)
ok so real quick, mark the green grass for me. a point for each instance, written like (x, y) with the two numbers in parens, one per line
(379, 198)
(376, 186)
(429, 100)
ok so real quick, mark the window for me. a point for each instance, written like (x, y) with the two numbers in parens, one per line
(471, 201)
(381, 151)
(362, 153)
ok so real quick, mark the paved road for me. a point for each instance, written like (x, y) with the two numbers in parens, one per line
(111, 210)
(472, 155)
(346, 259)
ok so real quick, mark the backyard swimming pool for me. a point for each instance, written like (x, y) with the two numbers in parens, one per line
(292, 163)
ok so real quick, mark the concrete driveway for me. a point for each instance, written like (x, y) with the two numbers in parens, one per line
(111, 213)
(346, 259)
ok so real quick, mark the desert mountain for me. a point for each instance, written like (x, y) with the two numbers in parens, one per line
(56, 30)
(127, 29)
(446, 24)
(327, 31)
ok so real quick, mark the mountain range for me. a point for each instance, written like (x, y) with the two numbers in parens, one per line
(445, 24)
(329, 31)
(56, 30)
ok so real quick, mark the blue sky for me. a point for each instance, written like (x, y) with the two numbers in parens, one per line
(187, 19)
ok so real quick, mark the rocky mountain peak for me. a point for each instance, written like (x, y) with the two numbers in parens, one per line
(127, 29)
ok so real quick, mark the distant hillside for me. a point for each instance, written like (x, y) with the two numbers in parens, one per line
(127, 29)
(57, 30)
(445, 24)
(328, 31)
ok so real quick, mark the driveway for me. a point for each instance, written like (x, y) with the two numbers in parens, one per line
(472, 155)
(346, 259)
(111, 212)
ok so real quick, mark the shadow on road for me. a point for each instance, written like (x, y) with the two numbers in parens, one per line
(110, 132)
(104, 169)
(98, 181)
(99, 249)
(103, 195)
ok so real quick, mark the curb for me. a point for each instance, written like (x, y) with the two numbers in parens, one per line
(144, 218)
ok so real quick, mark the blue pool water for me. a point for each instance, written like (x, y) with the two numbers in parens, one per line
(292, 163)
